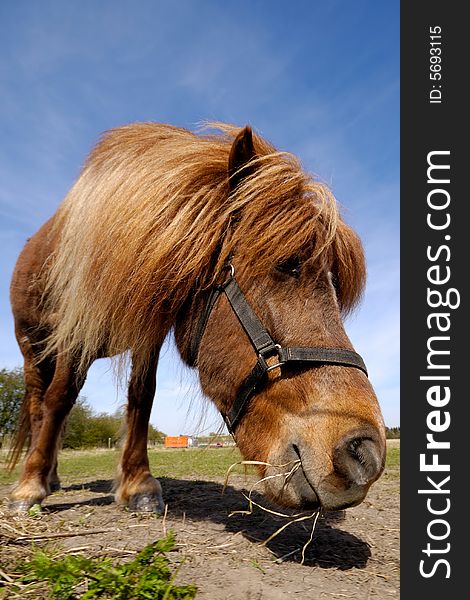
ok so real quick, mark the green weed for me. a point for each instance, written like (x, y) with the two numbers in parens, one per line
(148, 575)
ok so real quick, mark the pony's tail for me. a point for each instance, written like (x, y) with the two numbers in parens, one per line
(22, 435)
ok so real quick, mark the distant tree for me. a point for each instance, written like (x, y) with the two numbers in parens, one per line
(11, 397)
(87, 429)
(103, 429)
(392, 433)
(84, 427)
(155, 436)
(77, 425)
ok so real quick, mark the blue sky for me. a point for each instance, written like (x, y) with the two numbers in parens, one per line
(320, 79)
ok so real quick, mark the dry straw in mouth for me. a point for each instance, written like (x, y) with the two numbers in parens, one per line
(296, 518)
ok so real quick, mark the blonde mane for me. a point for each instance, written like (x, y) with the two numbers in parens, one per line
(150, 220)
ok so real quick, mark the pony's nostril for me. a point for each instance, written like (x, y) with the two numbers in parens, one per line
(360, 460)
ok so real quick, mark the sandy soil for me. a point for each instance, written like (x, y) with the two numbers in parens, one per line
(353, 554)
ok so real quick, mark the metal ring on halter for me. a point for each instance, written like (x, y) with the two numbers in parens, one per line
(232, 269)
(278, 364)
(272, 367)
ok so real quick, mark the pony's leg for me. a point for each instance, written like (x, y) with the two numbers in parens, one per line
(41, 461)
(37, 378)
(135, 486)
(43, 371)
(54, 481)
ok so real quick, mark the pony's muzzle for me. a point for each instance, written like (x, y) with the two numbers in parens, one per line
(357, 461)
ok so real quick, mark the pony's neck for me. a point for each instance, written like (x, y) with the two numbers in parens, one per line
(186, 323)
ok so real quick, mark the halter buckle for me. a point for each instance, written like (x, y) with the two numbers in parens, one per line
(270, 352)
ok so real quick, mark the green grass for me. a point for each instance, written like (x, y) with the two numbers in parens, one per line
(76, 466)
(148, 575)
(393, 456)
(199, 462)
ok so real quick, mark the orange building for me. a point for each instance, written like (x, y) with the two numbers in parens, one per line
(178, 441)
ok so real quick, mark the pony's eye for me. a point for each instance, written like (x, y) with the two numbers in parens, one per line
(291, 266)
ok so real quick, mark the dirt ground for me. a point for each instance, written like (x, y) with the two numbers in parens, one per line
(353, 554)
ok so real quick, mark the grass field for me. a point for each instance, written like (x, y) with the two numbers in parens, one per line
(194, 462)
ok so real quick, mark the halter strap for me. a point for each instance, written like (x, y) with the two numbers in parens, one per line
(265, 348)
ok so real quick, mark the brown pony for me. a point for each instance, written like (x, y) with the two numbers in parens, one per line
(149, 228)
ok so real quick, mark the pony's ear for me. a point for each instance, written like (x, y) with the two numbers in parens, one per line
(241, 153)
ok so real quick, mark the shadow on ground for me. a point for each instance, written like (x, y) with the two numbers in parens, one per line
(204, 501)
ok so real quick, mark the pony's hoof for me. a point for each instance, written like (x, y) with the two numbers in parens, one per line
(146, 503)
(24, 506)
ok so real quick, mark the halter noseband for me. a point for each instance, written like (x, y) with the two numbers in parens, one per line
(265, 348)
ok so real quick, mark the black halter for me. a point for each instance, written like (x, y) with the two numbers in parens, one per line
(265, 348)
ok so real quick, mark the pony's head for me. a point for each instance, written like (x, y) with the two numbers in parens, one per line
(299, 267)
